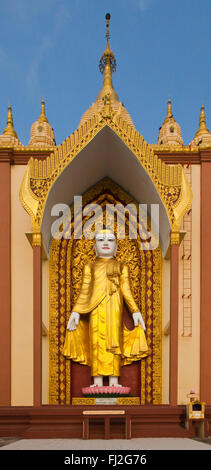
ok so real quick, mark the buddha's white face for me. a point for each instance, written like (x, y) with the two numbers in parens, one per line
(105, 245)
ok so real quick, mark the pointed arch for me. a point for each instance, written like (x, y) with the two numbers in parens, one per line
(105, 146)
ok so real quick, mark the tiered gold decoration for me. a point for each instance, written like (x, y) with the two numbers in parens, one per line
(202, 137)
(170, 131)
(107, 66)
(42, 134)
(9, 137)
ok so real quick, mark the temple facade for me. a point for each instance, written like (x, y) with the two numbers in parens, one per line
(105, 160)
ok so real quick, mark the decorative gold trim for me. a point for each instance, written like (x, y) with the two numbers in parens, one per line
(175, 238)
(92, 401)
(128, 401)
(53, 323)
(27, 199)
(36, 239)
(68, 309)
(157, 327)
(83, 401)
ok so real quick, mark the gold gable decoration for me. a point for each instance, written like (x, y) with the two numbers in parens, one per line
(40, 175)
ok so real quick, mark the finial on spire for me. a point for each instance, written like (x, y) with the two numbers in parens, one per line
(203, 129)
(169, 110)
(108, 17)
(107, 66)
(108, 56)
(9, 129)
(43, 117)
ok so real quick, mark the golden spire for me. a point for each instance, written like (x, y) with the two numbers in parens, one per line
(202, 124)
(107, 66)
(169, 111)
(43, 117)
(9, 130)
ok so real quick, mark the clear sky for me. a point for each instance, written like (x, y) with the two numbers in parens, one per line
(51, 49)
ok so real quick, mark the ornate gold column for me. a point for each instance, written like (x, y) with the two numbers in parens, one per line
(37, 317)
(174, 307)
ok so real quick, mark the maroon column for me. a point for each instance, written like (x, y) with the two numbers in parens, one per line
(205, 318)
(5, 280)
(37, 314)
(174, 308)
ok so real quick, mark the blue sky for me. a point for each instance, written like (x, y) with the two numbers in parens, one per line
(51, 49)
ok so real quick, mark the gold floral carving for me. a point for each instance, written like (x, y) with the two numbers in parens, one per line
(120, 401)
(128, 401)
(83, 401)
(54, 319)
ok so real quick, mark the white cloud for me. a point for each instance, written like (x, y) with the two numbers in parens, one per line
(143, 5)
(62, 15)
(32, 75)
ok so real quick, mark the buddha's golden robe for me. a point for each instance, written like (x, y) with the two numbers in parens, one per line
(101, 340)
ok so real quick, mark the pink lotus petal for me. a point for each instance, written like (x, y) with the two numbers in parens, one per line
(108, 390)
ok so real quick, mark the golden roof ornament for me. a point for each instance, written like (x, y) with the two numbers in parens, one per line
(203, 135)
(43, 117)
(9, 137)
(169, 111)
(107, 66)
(42, 134)
(170, 131)
(9, 129)
(108, 57)
(202, 123)
(107, 103)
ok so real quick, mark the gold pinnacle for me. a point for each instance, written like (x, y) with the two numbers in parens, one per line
(9, 130)
(203, 129)
(169, 111)
(107, 66)
(43, 117)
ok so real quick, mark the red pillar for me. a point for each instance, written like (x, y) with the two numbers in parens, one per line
(5, 280)
(174, 308)
(37, 315)
(205, 317)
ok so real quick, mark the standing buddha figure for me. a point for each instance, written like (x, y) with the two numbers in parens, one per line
(96, 335)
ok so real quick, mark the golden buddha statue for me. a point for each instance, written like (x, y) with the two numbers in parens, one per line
(96, 335)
